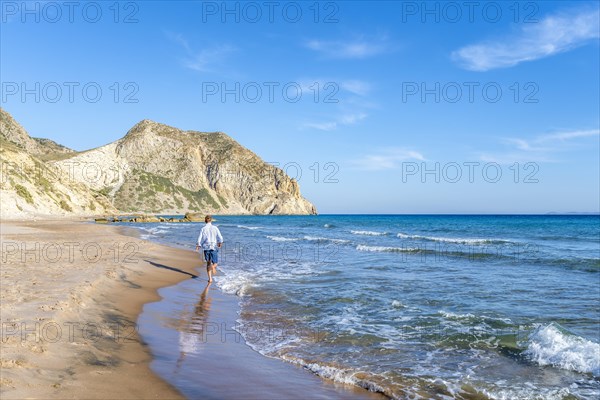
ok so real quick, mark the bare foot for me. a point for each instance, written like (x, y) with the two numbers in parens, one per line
(210, 280)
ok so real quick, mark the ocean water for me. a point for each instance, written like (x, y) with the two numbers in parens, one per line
(473, 307)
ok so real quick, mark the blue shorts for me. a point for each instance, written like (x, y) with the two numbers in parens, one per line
(211, 256)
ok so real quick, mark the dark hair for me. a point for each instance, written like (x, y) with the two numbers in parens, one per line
(207, 219)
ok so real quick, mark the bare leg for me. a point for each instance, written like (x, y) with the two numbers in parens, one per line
(209, 271)
(214, 268)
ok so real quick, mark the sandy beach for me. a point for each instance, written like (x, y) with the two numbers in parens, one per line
(71, 293)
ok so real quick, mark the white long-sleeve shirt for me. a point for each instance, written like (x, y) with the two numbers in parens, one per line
(209, 237)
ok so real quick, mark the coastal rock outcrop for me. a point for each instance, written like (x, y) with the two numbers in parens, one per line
(194, 217)
(30, 187)
(156, 168)
(153, 169)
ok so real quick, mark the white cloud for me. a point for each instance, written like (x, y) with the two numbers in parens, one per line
(360, 88)
(342, 120)
(350, 101)
(324, 86)
(322, 126)
(209, 59)
(387, 159)
(206, 60)
(551, 35)
(519, 143)
(552, 139)
(357, 48)
(524, 145)
(570, 135)
(539, 149)
(512, 157)
(179, 39)
(351, 119)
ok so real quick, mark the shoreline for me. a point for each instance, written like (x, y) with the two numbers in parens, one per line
(192, 332)
(72, 294)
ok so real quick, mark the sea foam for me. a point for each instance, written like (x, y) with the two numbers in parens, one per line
(362, 247)
(369, 233)
(451, 240)
(324, 239)
(553, 345)
(282, 239)
(335, 374)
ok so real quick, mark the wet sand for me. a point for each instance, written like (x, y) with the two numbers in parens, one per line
(197, 349)
(70, 297)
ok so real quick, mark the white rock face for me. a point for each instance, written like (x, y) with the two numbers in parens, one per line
(185, 170)
(29, 187)
(154, 168)
(96, 169)
(15, 133)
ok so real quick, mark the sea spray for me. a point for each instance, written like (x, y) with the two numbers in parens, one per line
(553, 345)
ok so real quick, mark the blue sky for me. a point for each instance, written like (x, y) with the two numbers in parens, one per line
(385, 91)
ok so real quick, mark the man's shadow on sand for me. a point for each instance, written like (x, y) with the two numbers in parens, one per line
(157, 265)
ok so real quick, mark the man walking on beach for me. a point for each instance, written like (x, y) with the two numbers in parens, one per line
(210, 240)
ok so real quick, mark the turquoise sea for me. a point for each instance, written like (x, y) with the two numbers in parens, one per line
(417, 306)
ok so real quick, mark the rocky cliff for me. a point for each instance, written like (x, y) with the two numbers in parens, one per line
(31, 187)
(160, 169)
(14, 133)
(156, 168)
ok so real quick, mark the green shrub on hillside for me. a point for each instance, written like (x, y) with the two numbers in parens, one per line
(65, 206)
(24, 193)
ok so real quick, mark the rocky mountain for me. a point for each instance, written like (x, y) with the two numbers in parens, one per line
(156, 168)
(11, 131)
(30, 187)
(160, 169)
